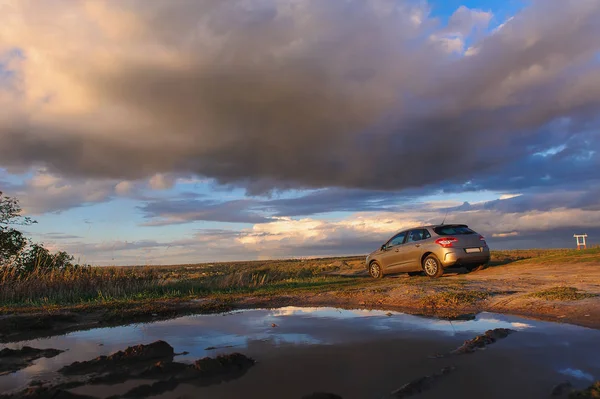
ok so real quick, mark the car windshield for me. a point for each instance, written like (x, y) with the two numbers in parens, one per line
(452, 230)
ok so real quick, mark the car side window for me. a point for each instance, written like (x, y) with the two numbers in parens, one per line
(418, 235)
(397, 240)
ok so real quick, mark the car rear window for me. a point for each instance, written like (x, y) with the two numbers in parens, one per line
(452, 230)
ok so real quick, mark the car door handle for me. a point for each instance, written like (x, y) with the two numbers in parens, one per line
(397, 250)
(417, 245)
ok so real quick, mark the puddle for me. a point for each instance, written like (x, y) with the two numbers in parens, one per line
(352, 353)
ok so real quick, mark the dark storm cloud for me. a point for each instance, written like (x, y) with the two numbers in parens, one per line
(336, 200)
(543, 201)
(60, 236)
(573, 165)
(561, 237)
(182, 211)
(278, 94)
(174, 211)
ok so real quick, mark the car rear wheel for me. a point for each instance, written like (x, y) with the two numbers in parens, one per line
(432, 267)
(375, 270)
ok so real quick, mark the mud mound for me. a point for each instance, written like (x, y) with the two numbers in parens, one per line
(159, 350)
(12, 360)
(420, 384)
(481, 341)
(148, 362)
(45, 393)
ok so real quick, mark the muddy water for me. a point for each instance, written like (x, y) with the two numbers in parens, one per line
(352, 353)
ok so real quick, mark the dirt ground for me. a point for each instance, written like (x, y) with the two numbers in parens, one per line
(509, 289)
(501, 288)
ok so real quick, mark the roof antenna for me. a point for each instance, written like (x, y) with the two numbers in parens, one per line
(447, 210)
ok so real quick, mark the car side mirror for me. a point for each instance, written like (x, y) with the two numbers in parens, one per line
(383, 247)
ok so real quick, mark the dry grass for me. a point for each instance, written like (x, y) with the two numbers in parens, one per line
(102, 284)
(106, 284)
(74, 284)
(453, 299)
(550, 256)
(562, 294)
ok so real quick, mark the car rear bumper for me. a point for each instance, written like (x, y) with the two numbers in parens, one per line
(458, 257)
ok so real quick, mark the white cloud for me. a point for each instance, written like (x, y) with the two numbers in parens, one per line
(450, 43)
(503, 235)
(83, 97)
(46, 192)
(305, 237)
(161, 181)
(461, 25)
(289, 232)
(509, 196)
(502, 25)
(464, 20)
(439, 204)
(124, 188)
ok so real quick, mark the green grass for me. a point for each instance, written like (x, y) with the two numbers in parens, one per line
(562, 294)
(453, 298)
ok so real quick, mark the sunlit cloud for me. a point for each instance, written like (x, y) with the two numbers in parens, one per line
(274, 128)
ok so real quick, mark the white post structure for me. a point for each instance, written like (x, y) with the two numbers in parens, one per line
(580, 240)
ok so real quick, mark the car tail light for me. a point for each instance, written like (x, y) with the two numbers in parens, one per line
(446, 242)
(482, 239)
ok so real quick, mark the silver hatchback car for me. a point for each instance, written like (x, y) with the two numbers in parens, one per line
(429, 249)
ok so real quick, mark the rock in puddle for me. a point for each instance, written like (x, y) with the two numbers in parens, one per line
(203, 372)
(479, 342)
(420, 384)
(149, 362)
(12, 360)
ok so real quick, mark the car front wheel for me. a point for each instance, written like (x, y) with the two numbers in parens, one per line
(375, 270)
(432, 267)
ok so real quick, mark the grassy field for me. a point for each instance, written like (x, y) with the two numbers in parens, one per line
(97, 285)
(106, 284)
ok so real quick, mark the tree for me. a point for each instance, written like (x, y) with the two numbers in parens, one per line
(38, 257)
(12, 241)
(16, 250)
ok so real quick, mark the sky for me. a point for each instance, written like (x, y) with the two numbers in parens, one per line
(165, 132)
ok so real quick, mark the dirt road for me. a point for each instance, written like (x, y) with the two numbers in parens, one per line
(556, 292)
